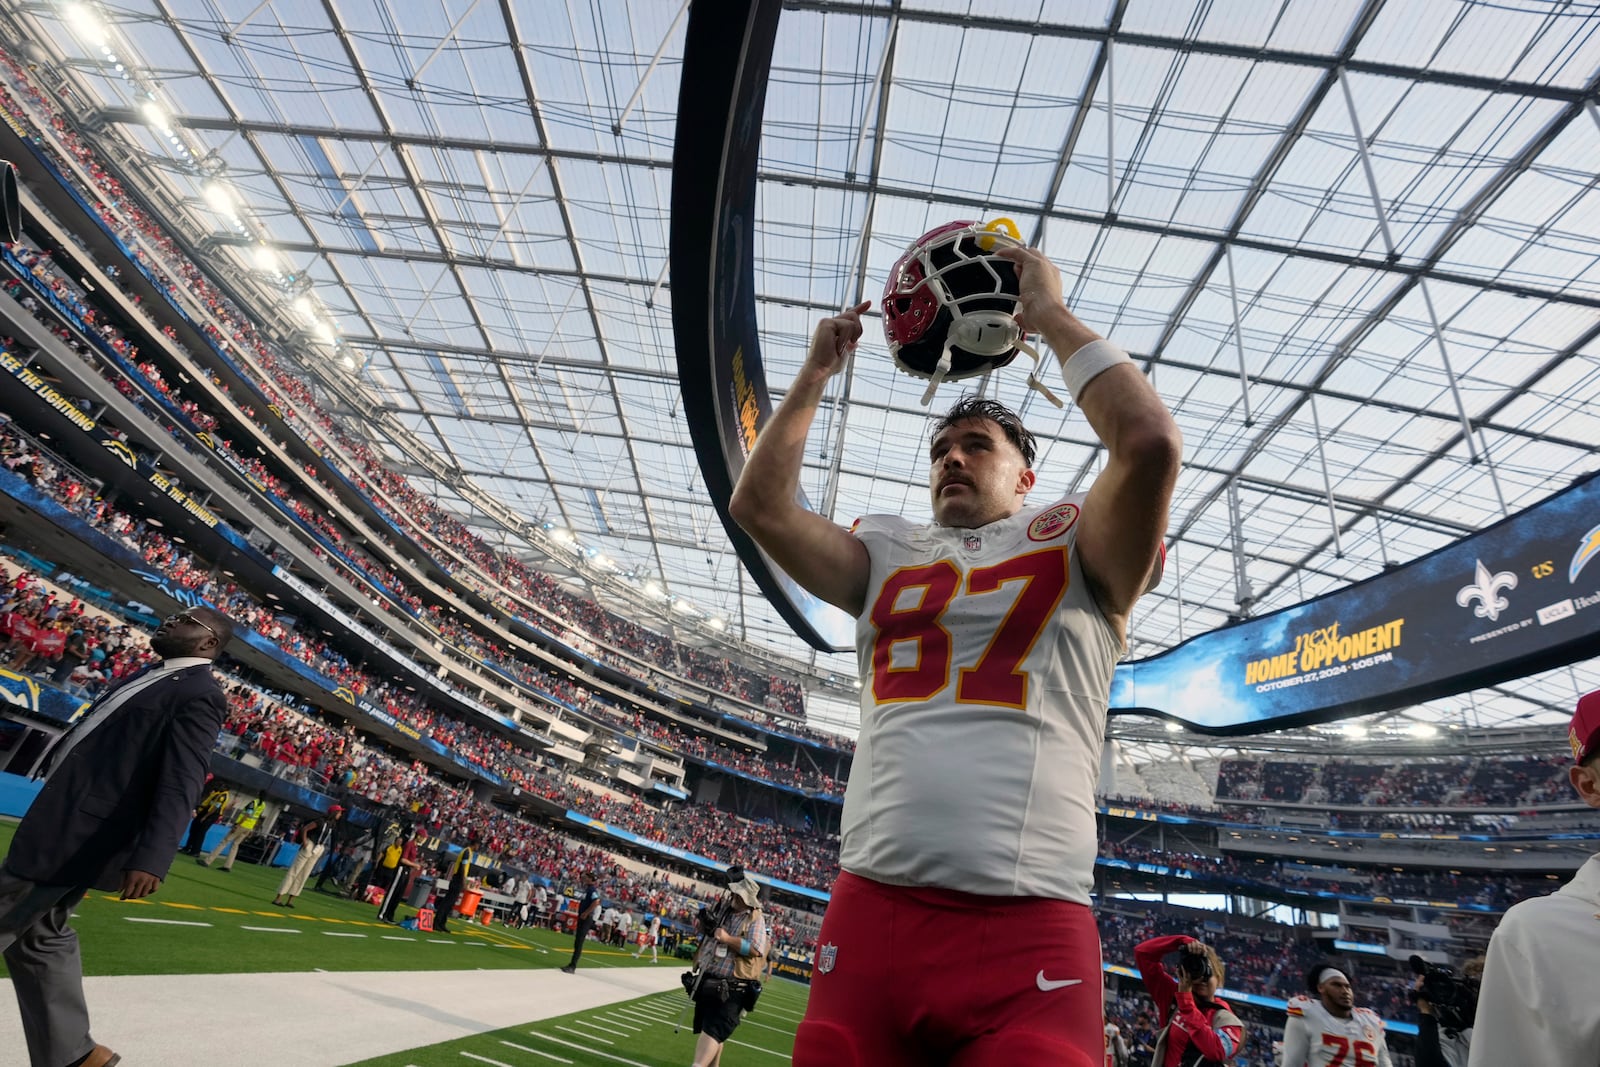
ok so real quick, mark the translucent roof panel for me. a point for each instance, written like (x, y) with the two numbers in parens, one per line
(1333, 231)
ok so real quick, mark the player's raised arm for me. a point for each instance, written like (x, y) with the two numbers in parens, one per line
(1125, 517)
(816, 552)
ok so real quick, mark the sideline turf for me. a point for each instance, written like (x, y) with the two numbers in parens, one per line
(636, 1032)
(112, 945)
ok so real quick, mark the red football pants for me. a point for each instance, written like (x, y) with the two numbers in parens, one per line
(934, 977)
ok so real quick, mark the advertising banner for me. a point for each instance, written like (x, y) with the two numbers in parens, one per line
(1520, 596)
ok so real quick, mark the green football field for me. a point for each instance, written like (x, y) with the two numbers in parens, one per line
(640, 1033)
(206, 921)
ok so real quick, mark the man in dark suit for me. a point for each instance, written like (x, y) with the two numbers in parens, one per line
(588, 911)
(120, 786)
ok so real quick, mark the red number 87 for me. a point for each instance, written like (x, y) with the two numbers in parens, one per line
(995, 678)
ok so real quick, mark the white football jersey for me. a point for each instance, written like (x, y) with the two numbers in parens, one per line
(986, 668)
(1330, 1041)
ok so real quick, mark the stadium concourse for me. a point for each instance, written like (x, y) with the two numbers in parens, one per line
(264, 352)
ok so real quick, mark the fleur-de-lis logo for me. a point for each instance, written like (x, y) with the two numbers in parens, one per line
(1486, 588)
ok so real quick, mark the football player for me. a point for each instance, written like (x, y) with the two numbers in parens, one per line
(960, 929)
(1326, 1029)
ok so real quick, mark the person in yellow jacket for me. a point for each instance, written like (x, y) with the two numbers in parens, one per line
(460, 871)
(245, 819)
(206, 815)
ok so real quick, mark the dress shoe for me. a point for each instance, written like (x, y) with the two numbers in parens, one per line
(99, 1057)
(569, 969)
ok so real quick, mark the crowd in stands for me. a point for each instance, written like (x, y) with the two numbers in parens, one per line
(1520, 783)
(60, 639)
(1494, 890)
(465, 639)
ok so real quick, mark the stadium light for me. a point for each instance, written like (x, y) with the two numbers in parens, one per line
(1173, 727)
(1422, 729)
(266, 258)
(717, 622)
(86, 24)
(1355, 729)
(682, 606)
(653, 588)
(156, 115)
(221, 199)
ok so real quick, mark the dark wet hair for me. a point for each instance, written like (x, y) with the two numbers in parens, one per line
(973, 406)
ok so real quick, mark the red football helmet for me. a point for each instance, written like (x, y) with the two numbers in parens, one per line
(950, 306)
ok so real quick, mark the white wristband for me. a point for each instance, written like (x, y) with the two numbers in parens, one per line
(1088, 362)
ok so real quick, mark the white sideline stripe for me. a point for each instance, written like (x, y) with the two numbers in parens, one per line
(484, 1059)
(536, 1052)
(340, 933)
(586, 1037)
(597, 1026)
(758, 1048)
(590, 1051)
(440, 941)
(649, 1005)
(614, 1021)
(397, 937)
(640, 1017)
(271, 929)
(163, 922)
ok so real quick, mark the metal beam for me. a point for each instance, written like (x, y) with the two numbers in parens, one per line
(963, 19)
(1556, 294)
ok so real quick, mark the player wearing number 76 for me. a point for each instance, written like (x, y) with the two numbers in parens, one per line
(1326, 1029)
(960, 931)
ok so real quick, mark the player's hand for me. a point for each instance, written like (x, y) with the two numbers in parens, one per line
(137, 884)
(1038, 284)
(833, 341)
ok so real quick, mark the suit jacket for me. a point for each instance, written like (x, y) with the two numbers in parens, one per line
(121, 798)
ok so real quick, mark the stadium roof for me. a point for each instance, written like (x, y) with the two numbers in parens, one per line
(473, 197)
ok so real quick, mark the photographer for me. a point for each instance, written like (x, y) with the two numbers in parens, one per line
(726, 980)
(1446, 1004)
(1536, 1003)
(1198, 1029)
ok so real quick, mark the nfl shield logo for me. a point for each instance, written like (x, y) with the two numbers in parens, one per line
(826, 957)
(972, 542)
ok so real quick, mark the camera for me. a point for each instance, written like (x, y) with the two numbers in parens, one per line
(714, 916)
(1454, 998)
(1196, 966)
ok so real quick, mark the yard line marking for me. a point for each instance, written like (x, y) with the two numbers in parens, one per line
(650, 1010)
(586, 1048)
(176, 904)
(586, 1037)
(641, 1017)
(536, 1052)
(758, 1048)
(484, 1059)
(163, 922)
(614, 1021)
(440, 941)
(340, 933)
(230, 911)
(397, 937)
(319, 970)
(270, 929)
(597, 1026)
(269, 914)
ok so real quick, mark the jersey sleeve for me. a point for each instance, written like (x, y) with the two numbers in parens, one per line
(1296, 1035)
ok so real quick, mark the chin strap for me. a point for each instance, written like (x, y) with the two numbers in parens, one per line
(943, 367)
(1034, 381)
(939, 371)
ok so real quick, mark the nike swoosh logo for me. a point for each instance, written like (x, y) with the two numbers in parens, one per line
(1061, 983)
